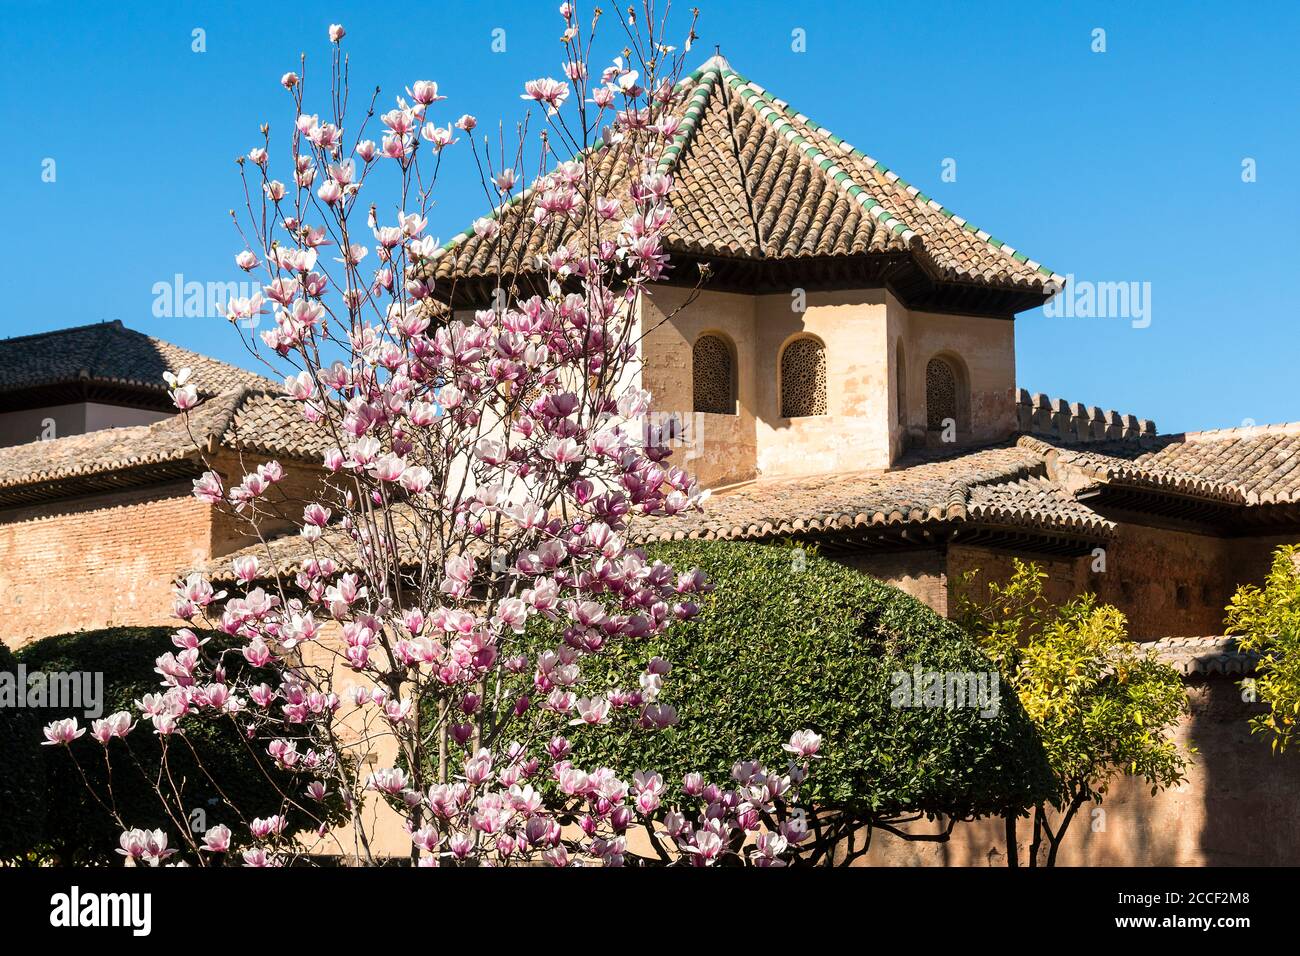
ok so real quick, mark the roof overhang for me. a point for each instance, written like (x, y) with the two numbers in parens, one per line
(902, 274)
(84, 486)
(74, 391)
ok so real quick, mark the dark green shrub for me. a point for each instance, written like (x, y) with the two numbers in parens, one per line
(77, 829)
(778, 649)
(22, 775)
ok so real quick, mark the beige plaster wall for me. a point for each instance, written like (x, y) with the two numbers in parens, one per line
(722, 448)
(862, 331)
(984, 353)
(365, 738)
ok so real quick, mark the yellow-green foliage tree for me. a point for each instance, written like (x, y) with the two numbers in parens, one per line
(1267, 621)
(1102, 705)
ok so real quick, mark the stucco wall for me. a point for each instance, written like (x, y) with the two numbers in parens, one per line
(77, 418)
(984, 352)
(722, 448)
(862, 332)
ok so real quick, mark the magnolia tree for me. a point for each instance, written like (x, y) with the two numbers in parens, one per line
(484, 478)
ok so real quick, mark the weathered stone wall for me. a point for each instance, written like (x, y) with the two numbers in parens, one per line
(1168, 583)
(1238, 804)
(922, 574)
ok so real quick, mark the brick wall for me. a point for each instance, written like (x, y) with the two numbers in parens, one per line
(97, 561)
(921, 574)
(110, 559)
(281, 510)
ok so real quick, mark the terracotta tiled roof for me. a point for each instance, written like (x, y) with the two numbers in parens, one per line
(108, 353)
(1028, 486)
(1261, 462)
(272, 424)
(245, 419)
(918, 493)
(1034, 502)
(1245, 466)
(756, 180)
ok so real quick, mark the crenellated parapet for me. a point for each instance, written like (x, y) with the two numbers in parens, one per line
(1074, 422)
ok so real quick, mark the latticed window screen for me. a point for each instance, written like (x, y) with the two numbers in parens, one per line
(940, 393)
(712, 374)
(803, 379)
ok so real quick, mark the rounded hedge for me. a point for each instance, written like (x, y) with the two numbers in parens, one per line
(76, 828)
(789, 640)
(22, 774)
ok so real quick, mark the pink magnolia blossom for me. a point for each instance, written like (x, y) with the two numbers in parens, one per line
(551, 92)
(114, 725)
(483, 481)
(217, 839)
(805, 743)
(62, 732)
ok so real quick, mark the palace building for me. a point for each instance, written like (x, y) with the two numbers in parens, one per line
(846, 377)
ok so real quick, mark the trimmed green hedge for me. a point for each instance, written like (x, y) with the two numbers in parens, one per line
(22, 775)
(76, 828)
(779, 648)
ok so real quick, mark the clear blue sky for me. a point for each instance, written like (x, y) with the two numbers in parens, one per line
(1116, 166)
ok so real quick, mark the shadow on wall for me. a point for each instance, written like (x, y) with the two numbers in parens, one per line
(1252, 794)
(1237, 808)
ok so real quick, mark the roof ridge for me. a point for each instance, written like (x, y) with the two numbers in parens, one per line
(759, 239)
(195, 353)
(706, 77)
(237, 397)
(496, 211)
(110, 323)
(1240, 432)
(827, 163)
(767, 111)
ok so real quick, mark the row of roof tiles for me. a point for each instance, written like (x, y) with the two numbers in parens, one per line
(108, 353)
(1028, 486)
(243, 419)
(756, 180)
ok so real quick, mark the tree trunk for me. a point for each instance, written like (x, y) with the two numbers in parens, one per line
(1075, 804)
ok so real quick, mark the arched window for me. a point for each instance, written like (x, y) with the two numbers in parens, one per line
(900, 383)
(803, 378)
(940, 393)
(713, 376)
